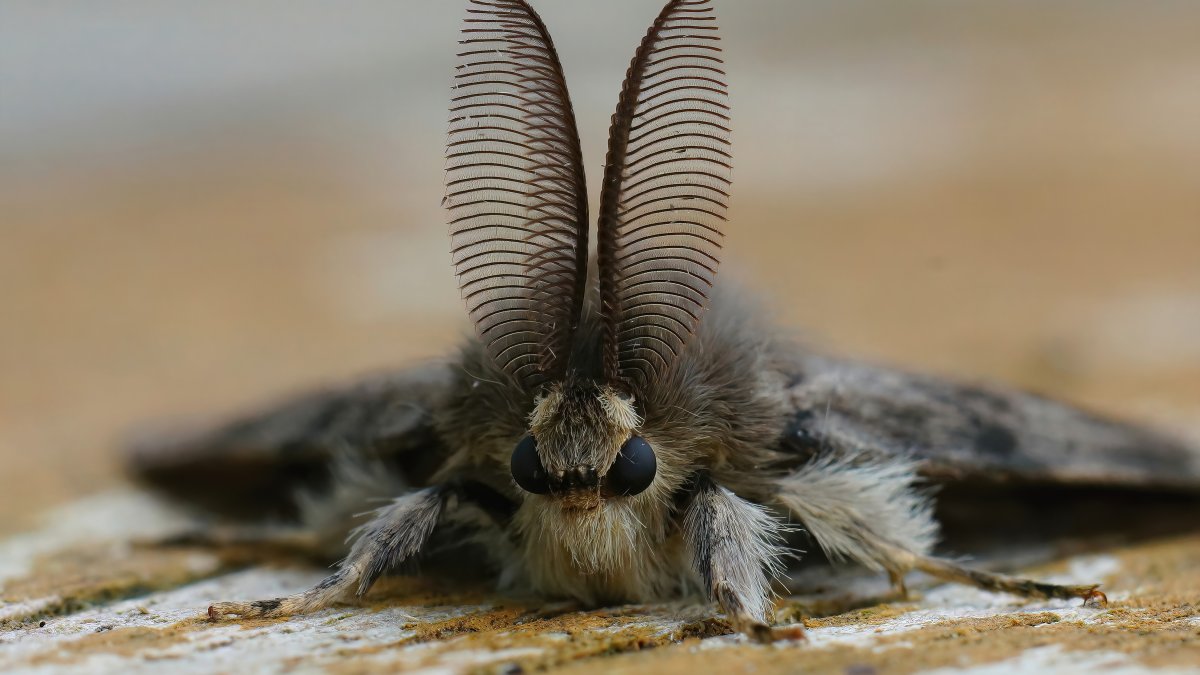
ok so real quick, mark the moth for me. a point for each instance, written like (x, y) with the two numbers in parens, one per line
(622, 428)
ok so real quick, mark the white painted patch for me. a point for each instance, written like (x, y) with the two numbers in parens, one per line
(456, 662)
(225, 647)
(864, 635)
(953, 602)
(116, 516)
(308, 643)
(18, 610)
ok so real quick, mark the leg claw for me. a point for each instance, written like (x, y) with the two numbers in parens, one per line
(1095, 598)
(793, 632)
(260, 609)
(764, 634)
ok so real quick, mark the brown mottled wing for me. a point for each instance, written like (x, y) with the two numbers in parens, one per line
(254, 464)
(978, 434)
(665, 192)
(515, 191)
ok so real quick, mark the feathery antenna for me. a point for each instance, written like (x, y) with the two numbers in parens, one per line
(665, 194)
(515, 191)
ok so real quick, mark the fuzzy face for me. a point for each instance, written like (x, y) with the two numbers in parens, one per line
(580, 428)
(584, 540)
(629, 548)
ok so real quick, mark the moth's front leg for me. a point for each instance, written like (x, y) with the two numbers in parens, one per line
(396, 533)
(736, 549)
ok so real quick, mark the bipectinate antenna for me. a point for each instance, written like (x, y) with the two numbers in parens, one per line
(515, 191)
(665, 193)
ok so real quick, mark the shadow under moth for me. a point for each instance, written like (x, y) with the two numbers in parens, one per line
(621, 429)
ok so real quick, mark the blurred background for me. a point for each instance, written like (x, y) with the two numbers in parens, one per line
(204, 204)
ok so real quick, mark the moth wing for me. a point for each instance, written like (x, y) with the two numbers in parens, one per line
(978, 434)
(255, 464)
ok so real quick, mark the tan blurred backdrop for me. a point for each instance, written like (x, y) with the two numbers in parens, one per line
(202, 204)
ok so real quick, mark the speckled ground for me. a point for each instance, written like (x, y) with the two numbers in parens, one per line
(208, 204)
(87, 591)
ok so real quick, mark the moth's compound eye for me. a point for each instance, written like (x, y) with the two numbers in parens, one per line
(527, 468)
(634, 469)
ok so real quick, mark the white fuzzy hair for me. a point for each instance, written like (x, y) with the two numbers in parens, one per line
(859, 507)
(617, 552)
(744, 551)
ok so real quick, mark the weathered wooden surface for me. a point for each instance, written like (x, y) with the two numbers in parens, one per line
(80, 593)
(207, 204)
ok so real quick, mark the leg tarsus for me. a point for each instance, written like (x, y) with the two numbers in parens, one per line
(1095, 598)
(793, 632)
(395, 534)
(899, 587)
(258, 609)
(743, 620)
(332, 589)
(999, 583)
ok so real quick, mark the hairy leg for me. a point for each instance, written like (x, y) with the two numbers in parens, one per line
(736, 549)
(869, 511)
(395, 534)
(1000, 583)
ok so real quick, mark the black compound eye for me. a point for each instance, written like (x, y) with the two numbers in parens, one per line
(527, 468)
(634, 469)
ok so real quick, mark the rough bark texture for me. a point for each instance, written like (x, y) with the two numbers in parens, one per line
(80, 592)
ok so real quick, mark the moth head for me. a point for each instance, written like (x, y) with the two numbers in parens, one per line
(519, 231)
(583, 446)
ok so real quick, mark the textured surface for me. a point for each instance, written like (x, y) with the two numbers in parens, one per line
(209, 204)
(77, 593)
